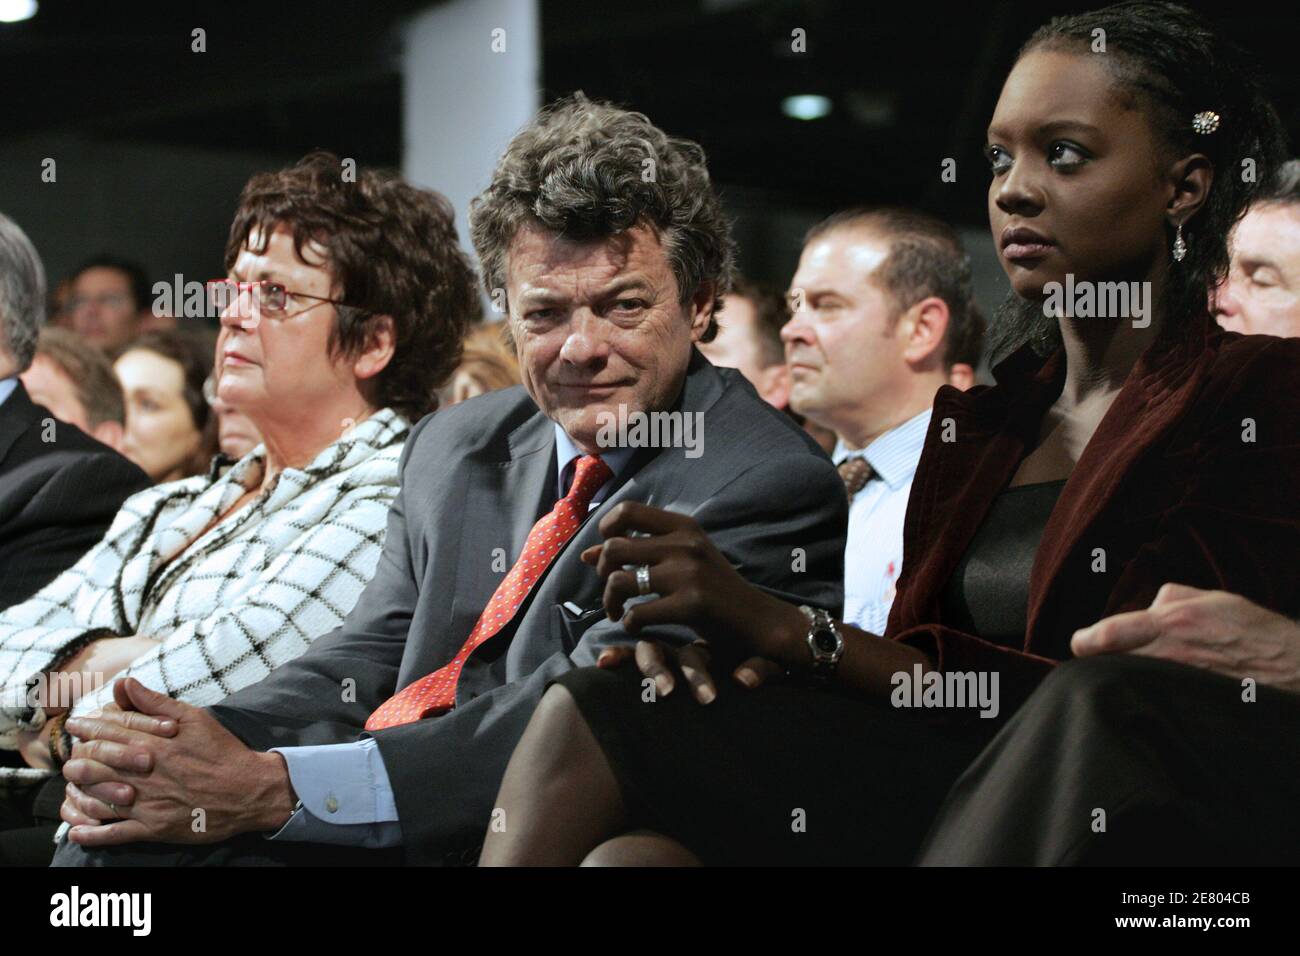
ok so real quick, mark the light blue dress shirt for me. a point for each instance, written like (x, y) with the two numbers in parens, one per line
(344, 789)
(7, 386)
(873, 550)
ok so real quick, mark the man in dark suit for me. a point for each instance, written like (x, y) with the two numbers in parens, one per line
(59, 488)
(394, 731)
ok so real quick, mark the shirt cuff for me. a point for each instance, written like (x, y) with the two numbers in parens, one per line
(344, 796)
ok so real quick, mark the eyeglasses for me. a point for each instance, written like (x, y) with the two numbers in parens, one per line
(268, 298)
(111, 299)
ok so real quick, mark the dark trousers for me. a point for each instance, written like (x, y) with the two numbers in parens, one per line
(1128, 760)
(29, 818)
(248, 849)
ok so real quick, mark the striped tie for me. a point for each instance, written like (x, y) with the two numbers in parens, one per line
(435, 693)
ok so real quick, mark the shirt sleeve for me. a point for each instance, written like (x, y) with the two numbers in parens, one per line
(344, 796)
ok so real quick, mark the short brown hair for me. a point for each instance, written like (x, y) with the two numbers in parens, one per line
(392, 249)
(580, 169)
(98, 389)
(926, 258)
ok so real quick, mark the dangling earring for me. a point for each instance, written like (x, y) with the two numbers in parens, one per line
(1180, 247)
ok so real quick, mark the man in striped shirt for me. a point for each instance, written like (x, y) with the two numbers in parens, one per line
(881, 314)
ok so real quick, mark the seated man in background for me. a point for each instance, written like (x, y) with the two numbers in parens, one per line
(77, 383)
(749, 340)
(110, 303)
(394, 731)
(882, 298)
(334, 337)
(1261, 295)
(59, 488)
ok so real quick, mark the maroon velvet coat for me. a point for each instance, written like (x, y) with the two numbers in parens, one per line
(1168, 489)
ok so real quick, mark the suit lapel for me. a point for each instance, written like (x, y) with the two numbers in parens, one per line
(16, 416)
(503, 500)
(975, 443)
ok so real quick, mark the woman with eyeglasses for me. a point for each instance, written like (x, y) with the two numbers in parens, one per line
(342, 314)
(1101, 551)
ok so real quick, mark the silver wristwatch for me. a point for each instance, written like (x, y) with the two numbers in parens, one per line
(824, 642)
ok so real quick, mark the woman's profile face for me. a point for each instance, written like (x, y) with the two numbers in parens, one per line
(161, 436)
(1076, 169)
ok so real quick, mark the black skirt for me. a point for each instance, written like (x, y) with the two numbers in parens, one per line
(785, 774)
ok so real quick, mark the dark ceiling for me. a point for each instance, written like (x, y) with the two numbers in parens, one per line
(911, 83)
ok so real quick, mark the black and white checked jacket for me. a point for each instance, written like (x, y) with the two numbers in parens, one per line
(230, 605)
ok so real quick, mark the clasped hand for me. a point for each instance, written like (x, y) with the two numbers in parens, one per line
(148, 767)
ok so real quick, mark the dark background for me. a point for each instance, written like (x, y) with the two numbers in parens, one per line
(153, 142)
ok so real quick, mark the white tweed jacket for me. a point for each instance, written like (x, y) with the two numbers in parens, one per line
(228, 605)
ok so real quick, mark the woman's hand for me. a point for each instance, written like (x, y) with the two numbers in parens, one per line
(1212, 629)
(654, 659)
(697, 587)
(92, 667)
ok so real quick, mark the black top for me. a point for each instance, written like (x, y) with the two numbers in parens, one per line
(988, 593)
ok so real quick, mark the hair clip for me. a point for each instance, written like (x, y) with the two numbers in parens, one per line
(1205, 122)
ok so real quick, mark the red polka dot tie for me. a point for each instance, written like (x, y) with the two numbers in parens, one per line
(435, 693)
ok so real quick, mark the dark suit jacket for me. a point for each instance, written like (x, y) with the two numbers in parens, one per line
(1193, 477)
(475, 479)
(57, 498)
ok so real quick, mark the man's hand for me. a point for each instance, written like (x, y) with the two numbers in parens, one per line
(171, 772)
(1212, 629)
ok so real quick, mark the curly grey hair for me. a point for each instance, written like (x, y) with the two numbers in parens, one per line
(587, 170)
(22, 293)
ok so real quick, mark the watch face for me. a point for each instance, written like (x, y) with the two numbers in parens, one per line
(826, 642)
